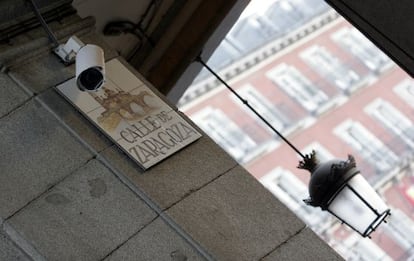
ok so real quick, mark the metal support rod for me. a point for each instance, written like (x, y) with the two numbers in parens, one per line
(42, 21)
(245, 102)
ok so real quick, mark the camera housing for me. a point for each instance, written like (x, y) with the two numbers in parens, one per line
(90, 68)
(89, 60)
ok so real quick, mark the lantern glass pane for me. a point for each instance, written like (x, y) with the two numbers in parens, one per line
(348, 207)
(361, 185)
(359, 211)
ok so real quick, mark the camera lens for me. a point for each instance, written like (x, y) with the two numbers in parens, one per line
(91, 79)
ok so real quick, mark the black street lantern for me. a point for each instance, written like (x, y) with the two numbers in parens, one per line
(338, 187)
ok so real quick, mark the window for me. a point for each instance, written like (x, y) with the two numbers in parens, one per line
(225, 132)
(353, 41)
(401, 228)
(264, 107)
(405, 90)
(393, 119)
(362, 249)
(368, 146)
(322, 153)
(277, 182)
(330, 67)
(250, 33)
(297, 86)
(311, 7)
(284, 15)
(291, 191)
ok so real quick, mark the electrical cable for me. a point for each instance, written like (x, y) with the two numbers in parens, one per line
(138, 29)
(151, 6)
(143, 29)
(246, 103)
(42, 21)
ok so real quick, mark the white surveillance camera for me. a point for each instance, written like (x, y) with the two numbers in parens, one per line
(90, 68)
(90, 63)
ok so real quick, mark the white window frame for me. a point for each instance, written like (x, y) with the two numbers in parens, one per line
(271, 181)
(291, 191)
(331, 68)
(392, 118)
(356, 43)
(362, 249)
(405, 90)
(225, 132)
(297, 86)
(264, 107)
(401, 229)
(322, 153)
(367, 145)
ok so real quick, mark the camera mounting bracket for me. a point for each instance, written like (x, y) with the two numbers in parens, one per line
(67, 52)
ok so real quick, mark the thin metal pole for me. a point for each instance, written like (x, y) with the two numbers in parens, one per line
(42, 21)
(245, 102)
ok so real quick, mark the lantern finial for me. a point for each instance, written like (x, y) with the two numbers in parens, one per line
(344, 166)
(309, 162)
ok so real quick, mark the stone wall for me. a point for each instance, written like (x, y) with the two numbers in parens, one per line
(68, 193)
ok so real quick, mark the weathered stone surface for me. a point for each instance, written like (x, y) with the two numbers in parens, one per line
(36, 152)
(175, 177)
(14, 11)
(158, 242)
(85, 217)
(34, 43)
(75, 120)
(41, 73)
(304, 246)
(11, 95)
(235, 218)
(9, 251)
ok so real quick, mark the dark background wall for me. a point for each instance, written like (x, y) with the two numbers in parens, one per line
(389, 24)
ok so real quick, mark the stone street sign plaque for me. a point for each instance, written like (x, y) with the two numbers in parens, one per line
(132, 115)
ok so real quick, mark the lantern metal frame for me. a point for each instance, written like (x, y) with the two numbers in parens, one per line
(381, 217)
(329, 179)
